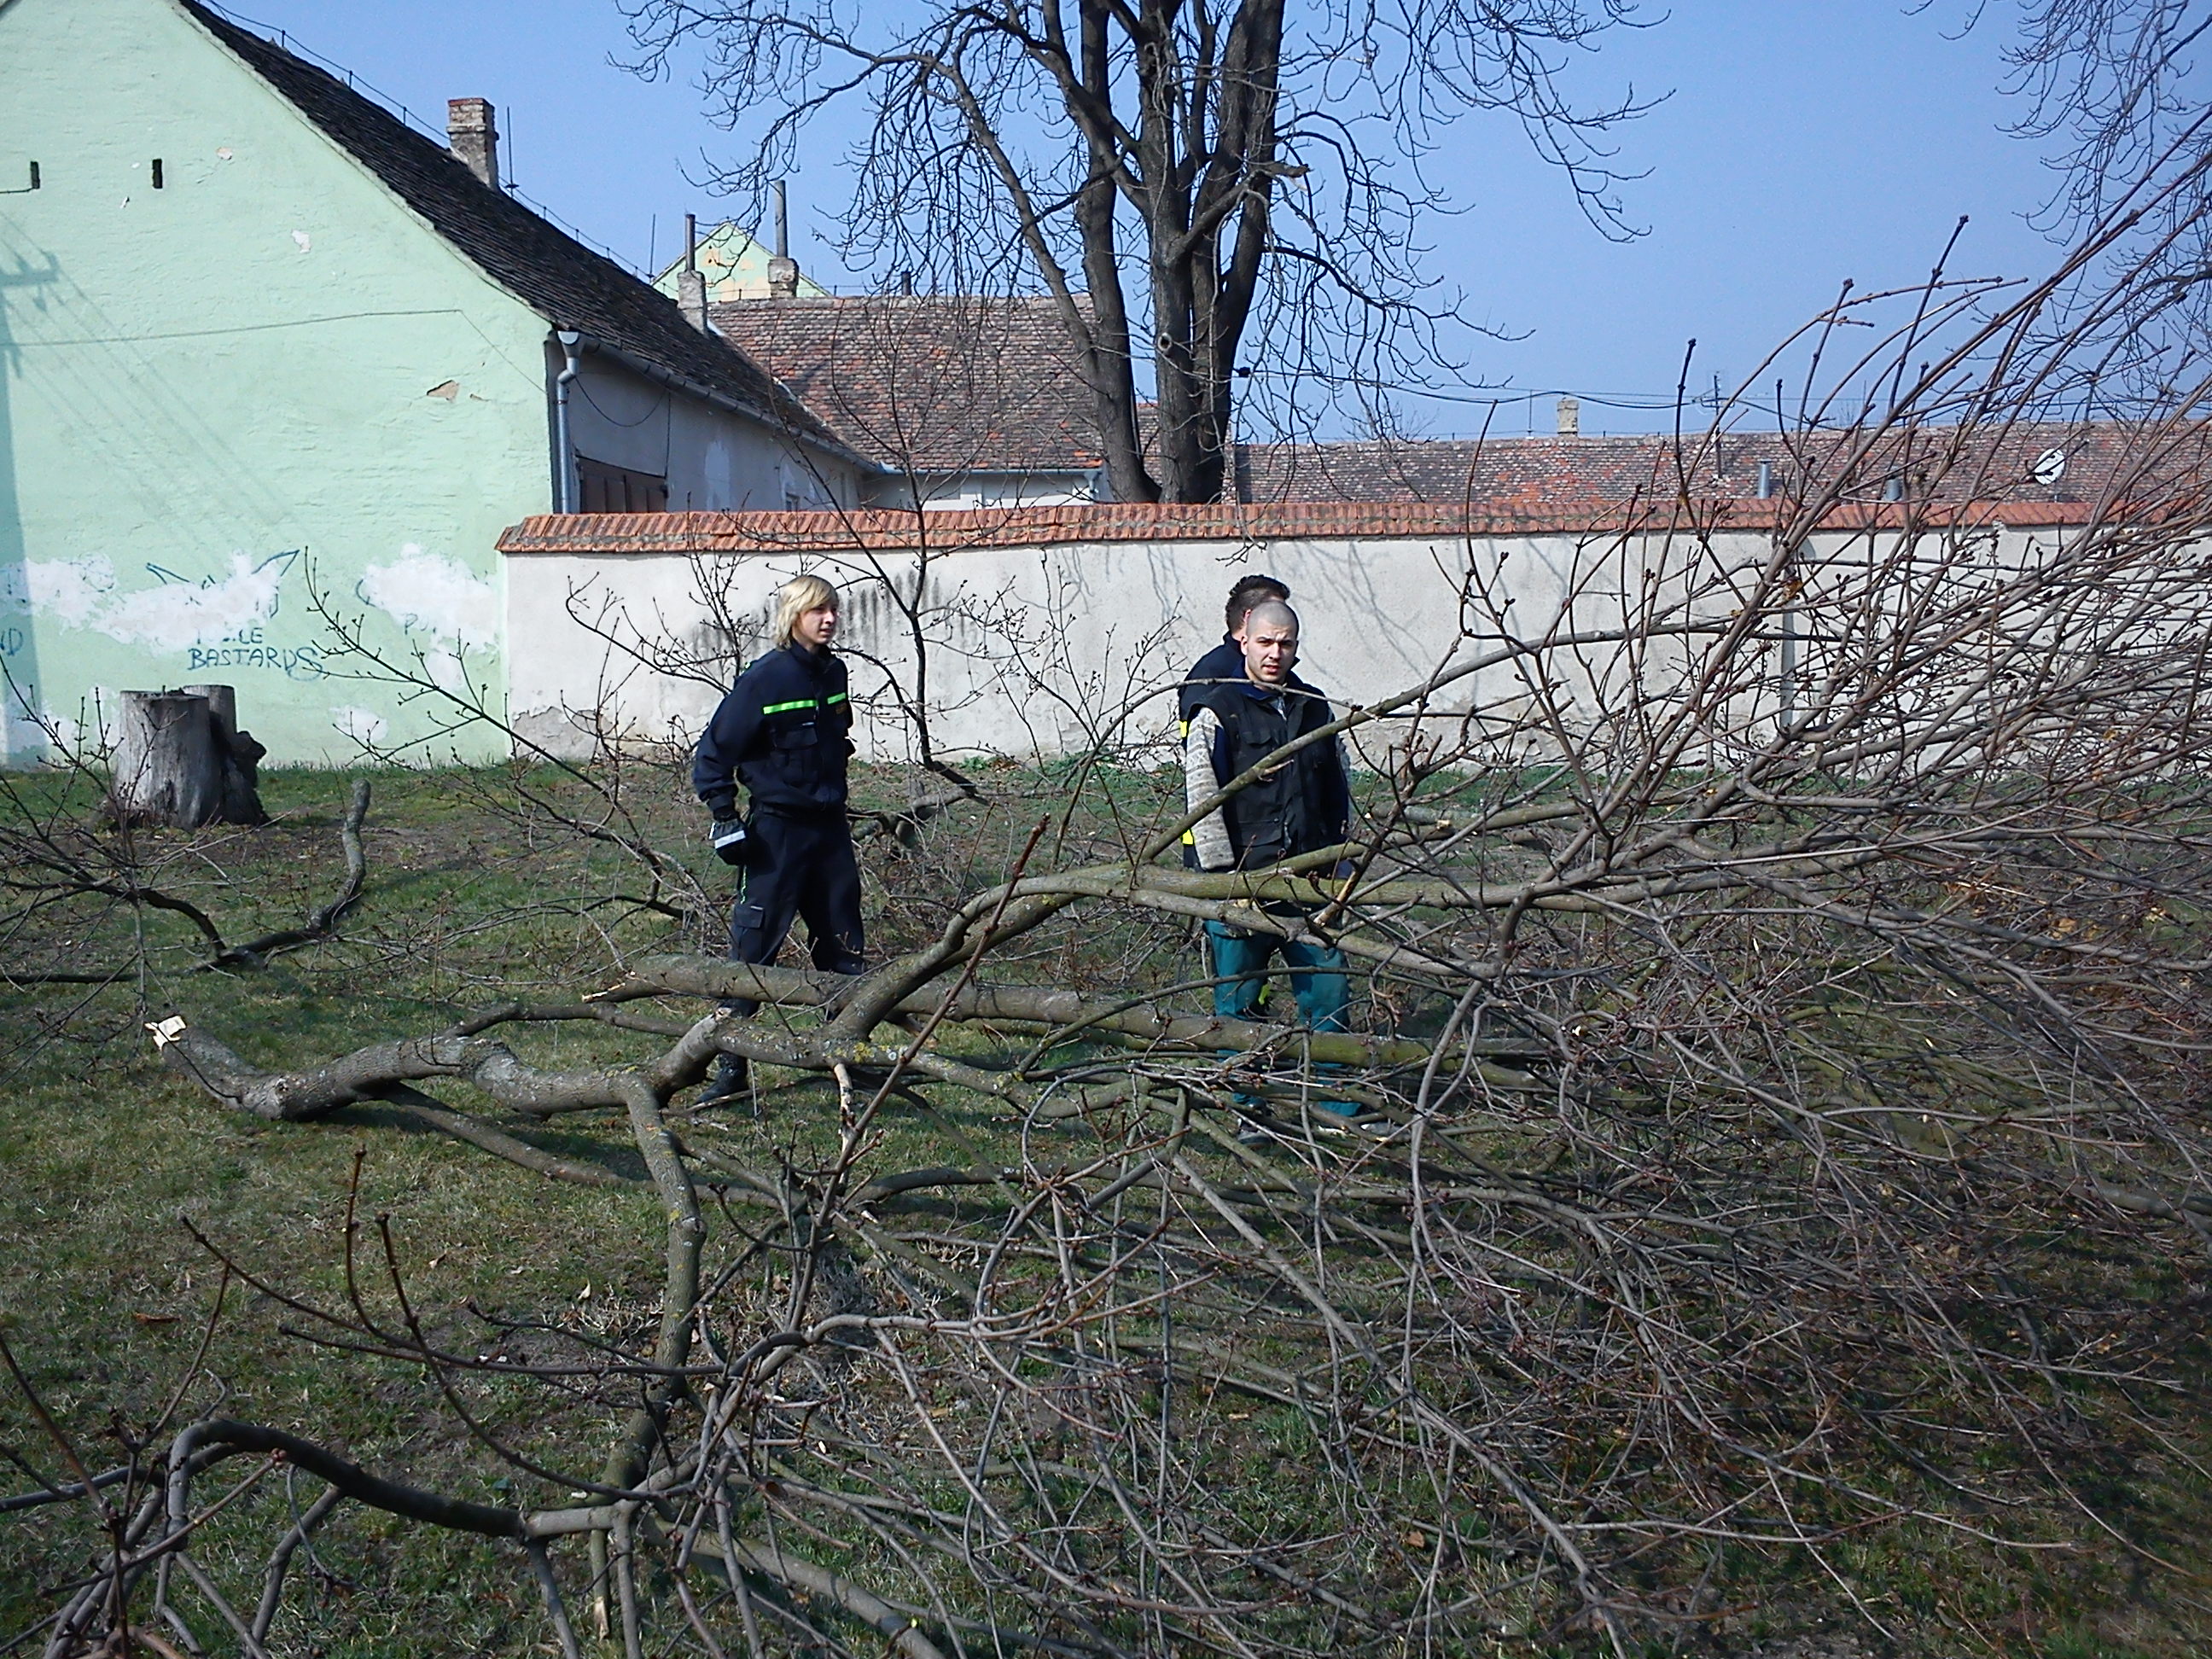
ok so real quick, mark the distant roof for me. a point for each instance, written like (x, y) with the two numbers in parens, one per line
(735, 265)
(2024, 476)
(943, 386)
(552, 273)
(1552, 477)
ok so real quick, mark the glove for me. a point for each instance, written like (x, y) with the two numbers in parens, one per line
(731, 844)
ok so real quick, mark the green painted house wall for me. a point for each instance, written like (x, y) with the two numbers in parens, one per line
(264, 380)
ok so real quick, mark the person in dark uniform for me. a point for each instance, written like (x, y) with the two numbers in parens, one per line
(1225, 662)
(1301, 806)
(784, 732)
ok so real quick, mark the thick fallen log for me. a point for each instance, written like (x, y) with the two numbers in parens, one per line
(368, 1073)
(1065, 1010)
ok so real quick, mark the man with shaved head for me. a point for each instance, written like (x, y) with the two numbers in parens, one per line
(1225, 661)
(1300, 805)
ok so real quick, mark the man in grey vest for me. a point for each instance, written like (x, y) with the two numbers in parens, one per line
(1301, 805)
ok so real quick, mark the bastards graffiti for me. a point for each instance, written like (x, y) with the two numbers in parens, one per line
(220, 620)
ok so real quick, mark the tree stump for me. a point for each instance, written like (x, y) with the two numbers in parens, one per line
(168, 769)
(180, 760)
(242, 780)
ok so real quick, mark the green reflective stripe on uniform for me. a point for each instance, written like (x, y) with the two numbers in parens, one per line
(786, 708)
(835, 696)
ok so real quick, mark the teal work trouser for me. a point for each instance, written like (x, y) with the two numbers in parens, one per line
(1318, 982)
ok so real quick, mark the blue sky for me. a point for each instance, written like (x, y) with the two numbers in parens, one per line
(1805, 142)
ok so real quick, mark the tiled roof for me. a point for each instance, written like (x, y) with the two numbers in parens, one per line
(941, 385)
(552, 273)
(1553, 476)
(1122, 521)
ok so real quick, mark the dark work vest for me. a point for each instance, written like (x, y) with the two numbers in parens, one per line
(1302, 804)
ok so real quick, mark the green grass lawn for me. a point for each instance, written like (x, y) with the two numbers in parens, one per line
(108, 1161)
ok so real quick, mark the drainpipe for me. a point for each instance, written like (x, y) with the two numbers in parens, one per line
(1788, 687)
(565, 454)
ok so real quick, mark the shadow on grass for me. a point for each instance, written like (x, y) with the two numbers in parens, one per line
(615, 1160)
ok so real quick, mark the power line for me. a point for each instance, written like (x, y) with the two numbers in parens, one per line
(407, 117)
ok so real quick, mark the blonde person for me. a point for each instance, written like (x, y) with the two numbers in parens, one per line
(783, 733)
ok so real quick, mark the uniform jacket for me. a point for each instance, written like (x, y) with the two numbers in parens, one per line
(783, 731)
(1304, 805)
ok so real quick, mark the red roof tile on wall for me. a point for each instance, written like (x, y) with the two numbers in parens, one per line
(1040, 527)
(1992, 462)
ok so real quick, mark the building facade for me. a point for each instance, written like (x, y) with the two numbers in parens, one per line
(276, 370)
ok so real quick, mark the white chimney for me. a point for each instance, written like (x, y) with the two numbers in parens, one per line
(691, 281)
(1570, 417)
(782, 269)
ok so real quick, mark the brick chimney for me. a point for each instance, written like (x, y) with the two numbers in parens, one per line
(1570, 417)
(473, 136)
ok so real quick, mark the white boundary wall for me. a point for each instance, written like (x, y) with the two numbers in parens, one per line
(1032, 647)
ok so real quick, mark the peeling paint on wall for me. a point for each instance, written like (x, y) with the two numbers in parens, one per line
(426, 593)
(69, 590)
(361, 725)
(176, 614)
(446, 609)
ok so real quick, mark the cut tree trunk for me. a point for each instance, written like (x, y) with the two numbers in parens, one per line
(168, 769)
(180, 760)
(242, 791)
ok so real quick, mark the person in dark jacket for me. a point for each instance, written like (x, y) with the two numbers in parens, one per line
(783, 731)
(1304, 805)
(1224, 665)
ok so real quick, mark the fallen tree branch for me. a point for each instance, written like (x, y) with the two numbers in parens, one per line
(424, 1109)
(705, 976)
(65, 1492)
(324, 917)
(758, 1556)
(222, 1436)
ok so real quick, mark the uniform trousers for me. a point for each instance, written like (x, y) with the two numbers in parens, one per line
(801, 867)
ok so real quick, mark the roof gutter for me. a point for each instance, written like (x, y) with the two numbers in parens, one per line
(722, 400)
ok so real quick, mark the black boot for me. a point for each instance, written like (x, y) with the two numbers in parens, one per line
(732, 1077)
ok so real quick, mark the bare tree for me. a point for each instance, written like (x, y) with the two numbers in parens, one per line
(1209, 193)
(1776, 938)
(2114, 91)
(2114, 83)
